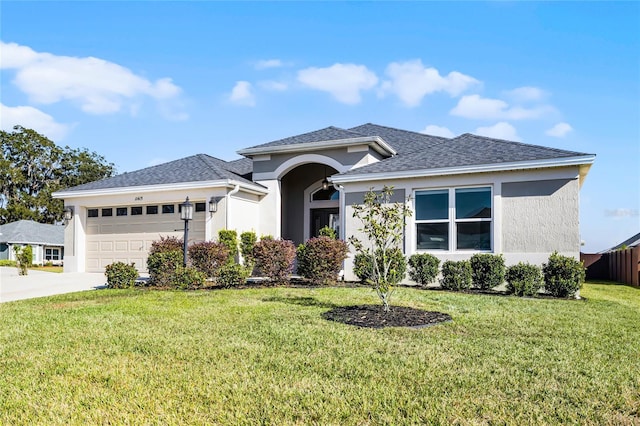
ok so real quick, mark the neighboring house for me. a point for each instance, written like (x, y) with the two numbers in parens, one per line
(47, 241)
(467, 194)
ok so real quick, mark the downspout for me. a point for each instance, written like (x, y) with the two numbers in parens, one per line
(343, 221)
(226, 207)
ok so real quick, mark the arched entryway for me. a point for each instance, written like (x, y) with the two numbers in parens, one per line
(306, 205)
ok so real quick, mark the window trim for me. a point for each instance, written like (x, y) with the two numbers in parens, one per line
(452, 221)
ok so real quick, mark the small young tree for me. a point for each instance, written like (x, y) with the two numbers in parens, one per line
(24, 258)
(383, 226)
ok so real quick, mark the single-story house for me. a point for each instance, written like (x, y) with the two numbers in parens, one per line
(468, 194)
(46, 241)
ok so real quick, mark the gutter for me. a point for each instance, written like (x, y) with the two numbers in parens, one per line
(255, 189)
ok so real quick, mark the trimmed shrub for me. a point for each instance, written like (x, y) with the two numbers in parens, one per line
(563, 276)
(232, 275)
(229, 237)
(208, 257)
(165, 244)
(187, 278)
(487, 270)
(247, 241)
(24, 258)
(164, 258)
(320, 259)
(327, 231)
(363, 266)
(6, 262)
(274, 259)
(423, 268)
(162, 267)
(121, 275)
(524, 279)
(456, 275)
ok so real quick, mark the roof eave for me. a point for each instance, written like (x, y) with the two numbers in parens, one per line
(584, 162)
(376, 142)
(222, 183)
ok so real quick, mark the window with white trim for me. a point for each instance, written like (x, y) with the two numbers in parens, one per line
(52, 254)
(454, 219)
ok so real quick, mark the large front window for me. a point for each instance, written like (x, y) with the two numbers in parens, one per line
(454, 219)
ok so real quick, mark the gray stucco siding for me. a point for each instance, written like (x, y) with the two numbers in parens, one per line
(341, 155)
(352, 198)
(540, 216)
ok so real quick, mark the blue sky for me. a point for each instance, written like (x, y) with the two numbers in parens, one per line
(143, 83)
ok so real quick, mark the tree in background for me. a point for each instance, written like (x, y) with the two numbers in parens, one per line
(32, 167)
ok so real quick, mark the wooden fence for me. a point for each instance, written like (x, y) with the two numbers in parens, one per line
(622, 266)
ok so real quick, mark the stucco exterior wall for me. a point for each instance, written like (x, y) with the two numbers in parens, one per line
(346, 156)
(538, 215)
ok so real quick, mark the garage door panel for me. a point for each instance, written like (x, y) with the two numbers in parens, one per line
(104, 249)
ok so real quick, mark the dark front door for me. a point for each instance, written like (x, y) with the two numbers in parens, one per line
(323, 217)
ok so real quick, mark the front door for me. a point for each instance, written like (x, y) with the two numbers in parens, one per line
(324, 217)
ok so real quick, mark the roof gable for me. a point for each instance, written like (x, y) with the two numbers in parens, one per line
(327, 134)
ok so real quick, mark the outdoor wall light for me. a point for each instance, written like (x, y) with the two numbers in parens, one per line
(213, 205)
(186, 214)
(68, 213)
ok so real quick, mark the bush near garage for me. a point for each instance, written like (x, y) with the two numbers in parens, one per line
(121, 275)
(165, 257)
(208, 257)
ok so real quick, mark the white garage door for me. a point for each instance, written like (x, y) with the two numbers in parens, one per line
(116, 235)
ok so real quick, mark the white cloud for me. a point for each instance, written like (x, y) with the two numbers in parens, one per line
(622, 213)
(242, 94)
(560, 130)
(411, 82)
(434, 130)
(32, 118)
(274, 86)
(98, 86)
(501, 130)
(476, 107)
(343, 81)
(526, 93)
(268, 63)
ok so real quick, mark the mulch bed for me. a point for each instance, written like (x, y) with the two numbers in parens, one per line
(374, 316)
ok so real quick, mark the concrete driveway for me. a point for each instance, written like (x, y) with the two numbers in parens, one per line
(39, 283)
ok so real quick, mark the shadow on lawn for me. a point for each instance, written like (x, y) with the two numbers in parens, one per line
(301, 301)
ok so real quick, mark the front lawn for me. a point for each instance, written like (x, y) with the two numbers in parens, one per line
(266, 356)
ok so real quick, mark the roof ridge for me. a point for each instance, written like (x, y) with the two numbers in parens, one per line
(403, 130)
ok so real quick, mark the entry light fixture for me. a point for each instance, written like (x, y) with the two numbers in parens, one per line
(325, 182)
(68, 213)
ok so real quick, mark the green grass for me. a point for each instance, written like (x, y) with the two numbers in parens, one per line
(265, 356)
(56, 269)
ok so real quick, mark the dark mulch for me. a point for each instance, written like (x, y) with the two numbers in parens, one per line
(374, 316)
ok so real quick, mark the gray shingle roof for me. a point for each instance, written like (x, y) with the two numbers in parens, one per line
(631, 242)
(327, 134)
(423, 152)
(196, 168)
(28, 231)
